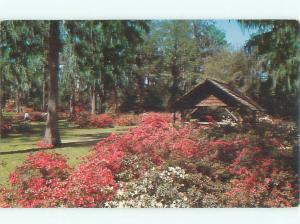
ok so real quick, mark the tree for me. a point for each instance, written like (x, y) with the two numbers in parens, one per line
(52, 135)
(183, 46)
(22, 45)
(176, 46)
(1, 75)
(276, 44)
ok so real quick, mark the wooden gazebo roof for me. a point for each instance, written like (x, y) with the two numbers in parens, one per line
(215, 93)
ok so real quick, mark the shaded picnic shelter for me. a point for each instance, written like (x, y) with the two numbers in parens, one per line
(213, 94)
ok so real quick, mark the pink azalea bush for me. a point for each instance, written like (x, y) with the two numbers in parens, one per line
(44, 145)
(84, 119)
(101, 121)
(159, 164)
(127, 120)
(36, 116)
(10, 106)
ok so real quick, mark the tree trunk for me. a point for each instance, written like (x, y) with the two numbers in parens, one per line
(18, 104)
(1, 115)
(44, 96)
(72, 103)
(116, 101)
(52, 132)
(140, 90)
(99, 109)
(175, 86)
(93, 89)
(1, 74)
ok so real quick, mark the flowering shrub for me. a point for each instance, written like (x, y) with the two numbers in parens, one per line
(159, 164)
(79, 108)
(171, 187)
(127, 120)
(5, 126)
(101, 121)
(27, 109)
(6, 198)
(44, 145)
(157, 139)
(156, 118)
(64, 115)
(39, 180)
(259, 173)
(82, 119)
(37, 116)
(85, 119)
(155, 189)
(10, 106)
(90, 186)
(262, 179)
(46, 180)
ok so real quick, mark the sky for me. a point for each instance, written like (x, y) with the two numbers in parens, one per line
(235, 35)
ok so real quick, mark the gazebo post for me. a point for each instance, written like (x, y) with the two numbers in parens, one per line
(174, 116)
(254, 117)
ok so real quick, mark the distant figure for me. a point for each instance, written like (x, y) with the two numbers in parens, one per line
(26, 117)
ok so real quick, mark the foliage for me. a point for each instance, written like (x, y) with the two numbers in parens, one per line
(5, 126)
(170, 187)
(160, 164)
(126, 120)
(275, 43)
(85, 119)
(101, 121)
(22, 126)
(37, 183)
(37, 116)
(9, 106)
(44, 145)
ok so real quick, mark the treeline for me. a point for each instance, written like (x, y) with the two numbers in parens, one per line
(122, 66)
(106, 65)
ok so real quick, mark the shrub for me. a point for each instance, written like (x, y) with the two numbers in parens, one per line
(6, 198)
(101, 121)
(37, 116)
(263, 177)
(85, 119)
(6, 126)
(170, 187)
(27, 109)
(127, 120)
(22, 126)
(18, 117)
(90, 186)
(39, 182)
(64, 115)
(44, 145)
(157, 139)
(82, 119)
(46, 180)
(10, 106)
(159, 164)
(79, 108)
(156, 118)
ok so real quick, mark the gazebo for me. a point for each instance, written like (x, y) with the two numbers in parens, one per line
(215, 94)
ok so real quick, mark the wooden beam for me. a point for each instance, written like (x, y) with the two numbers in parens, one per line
(232, 115)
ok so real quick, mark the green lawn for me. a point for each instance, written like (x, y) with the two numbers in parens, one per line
(76, 143)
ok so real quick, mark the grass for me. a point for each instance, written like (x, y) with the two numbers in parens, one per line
(76, 142)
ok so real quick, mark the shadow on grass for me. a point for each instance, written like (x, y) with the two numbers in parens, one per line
(63, 145)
